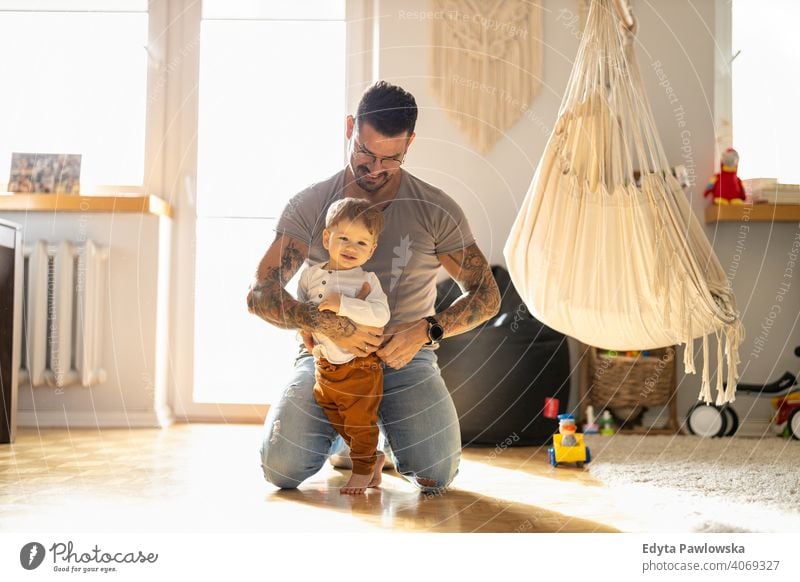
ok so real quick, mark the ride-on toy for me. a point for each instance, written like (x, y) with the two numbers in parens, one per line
(568, 446)
(710, 420)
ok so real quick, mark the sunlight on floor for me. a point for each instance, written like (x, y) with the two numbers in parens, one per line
(208, 478)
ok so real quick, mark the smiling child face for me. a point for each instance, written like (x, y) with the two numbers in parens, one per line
(349, 244)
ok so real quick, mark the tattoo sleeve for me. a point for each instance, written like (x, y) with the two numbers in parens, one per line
(481, 298)
(268, 298)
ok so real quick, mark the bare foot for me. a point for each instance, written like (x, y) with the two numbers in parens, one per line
(378, 471)
(358, 484)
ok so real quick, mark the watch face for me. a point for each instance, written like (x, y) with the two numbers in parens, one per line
(436, 332)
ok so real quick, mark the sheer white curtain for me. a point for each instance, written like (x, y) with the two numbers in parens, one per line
(271, 121)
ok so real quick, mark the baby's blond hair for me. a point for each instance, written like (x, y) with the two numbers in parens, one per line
(355, 210)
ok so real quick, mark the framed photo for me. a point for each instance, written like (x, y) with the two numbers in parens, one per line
(45, 173)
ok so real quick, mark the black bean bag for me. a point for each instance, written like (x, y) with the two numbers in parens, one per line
(500, 373)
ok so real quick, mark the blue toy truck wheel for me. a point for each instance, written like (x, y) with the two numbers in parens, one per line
(588, 455)
(551, 453)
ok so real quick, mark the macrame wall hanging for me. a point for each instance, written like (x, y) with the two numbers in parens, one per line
(486, 64)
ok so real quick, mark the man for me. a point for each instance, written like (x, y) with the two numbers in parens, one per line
(424, 230)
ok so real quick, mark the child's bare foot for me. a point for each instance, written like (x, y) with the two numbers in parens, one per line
(378, 471)
(358, 484)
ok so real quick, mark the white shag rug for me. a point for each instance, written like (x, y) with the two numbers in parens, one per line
(687, 483)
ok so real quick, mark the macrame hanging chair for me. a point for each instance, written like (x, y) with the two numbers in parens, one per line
(596, 255)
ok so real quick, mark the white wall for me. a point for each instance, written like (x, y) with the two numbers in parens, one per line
(678, 34)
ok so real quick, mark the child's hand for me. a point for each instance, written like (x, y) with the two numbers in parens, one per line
(332, 302)
(308, 340)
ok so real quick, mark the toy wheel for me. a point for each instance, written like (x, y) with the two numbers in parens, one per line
(706, 420)
(794, 424)
(588, 455)
(733, 420)
(551, 453)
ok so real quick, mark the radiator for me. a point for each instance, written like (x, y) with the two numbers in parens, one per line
(65, 286)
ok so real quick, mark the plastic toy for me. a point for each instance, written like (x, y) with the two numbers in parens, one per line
(708, 420)
(607, 425)
(787, 413)
(567, 428)
(725, 187)
(591, 426)
(562, 450)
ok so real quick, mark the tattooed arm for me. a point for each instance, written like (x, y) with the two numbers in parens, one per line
(480, 301)
(268, 299)
(481, 298)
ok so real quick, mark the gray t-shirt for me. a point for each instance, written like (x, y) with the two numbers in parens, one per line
(420, 223)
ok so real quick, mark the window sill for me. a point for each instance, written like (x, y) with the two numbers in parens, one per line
(149, 204)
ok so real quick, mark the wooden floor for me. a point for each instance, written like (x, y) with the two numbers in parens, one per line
(208, 477)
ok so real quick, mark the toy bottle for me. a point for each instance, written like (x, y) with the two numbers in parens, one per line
(590, 427)
(607, 426)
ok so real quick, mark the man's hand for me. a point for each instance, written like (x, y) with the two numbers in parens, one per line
(362, 342)
(401, 342)
(367, 339)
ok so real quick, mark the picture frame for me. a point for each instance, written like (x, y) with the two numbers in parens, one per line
(45, 173)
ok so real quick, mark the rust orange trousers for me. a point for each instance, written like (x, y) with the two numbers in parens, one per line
(350, 394)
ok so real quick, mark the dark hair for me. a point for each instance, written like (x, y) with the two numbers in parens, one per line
(390, 109)
(356, 210)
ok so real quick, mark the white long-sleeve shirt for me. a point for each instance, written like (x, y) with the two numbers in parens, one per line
(316, 283)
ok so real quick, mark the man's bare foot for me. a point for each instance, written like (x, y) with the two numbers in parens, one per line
(358, 484)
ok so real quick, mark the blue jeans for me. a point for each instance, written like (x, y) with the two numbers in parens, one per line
(416, 416)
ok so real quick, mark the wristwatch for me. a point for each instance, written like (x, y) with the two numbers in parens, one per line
(435, 331)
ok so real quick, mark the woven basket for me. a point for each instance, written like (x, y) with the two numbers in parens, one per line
(630, 383)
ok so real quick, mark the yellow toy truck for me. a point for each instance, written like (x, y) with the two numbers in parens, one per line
(568, 446)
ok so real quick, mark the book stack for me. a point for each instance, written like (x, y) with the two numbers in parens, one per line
(770, 191)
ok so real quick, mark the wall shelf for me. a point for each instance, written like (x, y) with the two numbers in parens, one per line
(10, 202)
(753, 213)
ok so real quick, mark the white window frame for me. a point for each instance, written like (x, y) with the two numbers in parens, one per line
(152, 181)
(175, 27)
(723, 87)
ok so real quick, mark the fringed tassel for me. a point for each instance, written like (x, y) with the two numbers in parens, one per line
(733, 339)
(705, 387)
(688, 356)
(686, 329)
(720, 370)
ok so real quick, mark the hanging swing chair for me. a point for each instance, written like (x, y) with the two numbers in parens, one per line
(595, 254)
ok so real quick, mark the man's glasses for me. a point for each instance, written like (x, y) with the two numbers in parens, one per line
(390, 163)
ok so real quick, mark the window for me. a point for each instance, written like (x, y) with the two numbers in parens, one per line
(271, 122)
(766, 88)
(87, 97)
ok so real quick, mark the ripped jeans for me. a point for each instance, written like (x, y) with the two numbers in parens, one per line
(416, 416)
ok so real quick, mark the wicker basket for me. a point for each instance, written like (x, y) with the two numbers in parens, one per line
(624, 383)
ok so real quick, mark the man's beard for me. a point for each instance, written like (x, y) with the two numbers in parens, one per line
(366, 183)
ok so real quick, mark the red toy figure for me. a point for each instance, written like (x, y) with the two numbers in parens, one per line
(726, 187)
